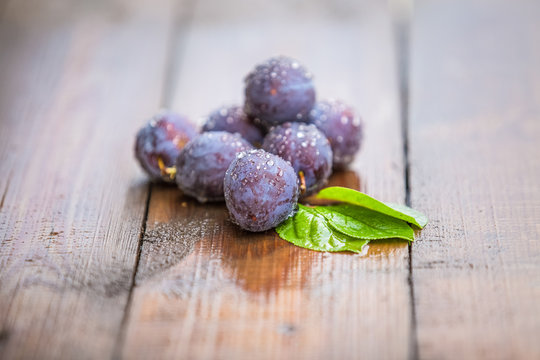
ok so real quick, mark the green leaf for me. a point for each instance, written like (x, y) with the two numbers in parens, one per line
(364, 223)
(420, 218)
(357, 198)
(311, 230)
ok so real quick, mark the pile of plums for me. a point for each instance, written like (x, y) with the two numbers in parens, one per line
(260, 158)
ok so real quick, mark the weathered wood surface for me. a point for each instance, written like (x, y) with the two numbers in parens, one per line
(90, 269)
(204, 288)
(475, 169)
(77, 79)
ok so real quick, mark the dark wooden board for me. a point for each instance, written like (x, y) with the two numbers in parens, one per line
(475, 169)
(76, 83)
(204, 288)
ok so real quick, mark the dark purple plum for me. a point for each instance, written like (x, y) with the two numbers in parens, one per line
(261, 190)
(279, 90)
(202, 163)
(233, 119)
(342, 128)
(308, 151)
(159, 143)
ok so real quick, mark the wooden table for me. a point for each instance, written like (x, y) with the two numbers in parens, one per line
(97, 263)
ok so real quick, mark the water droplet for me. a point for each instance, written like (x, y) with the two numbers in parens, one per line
(304, 144)
(273, 74)
(270, 163)
(300, 135)
(223, 112)
(295, 65)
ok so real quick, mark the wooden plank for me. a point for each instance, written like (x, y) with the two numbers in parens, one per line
(78, 78)
(204, 288)
(475, 125)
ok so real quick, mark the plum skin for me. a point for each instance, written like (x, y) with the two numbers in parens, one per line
(307, 149)
(202, 163)
(342, 127)
(279, 90)
(159, 142)
(233, 119)
(261, 190)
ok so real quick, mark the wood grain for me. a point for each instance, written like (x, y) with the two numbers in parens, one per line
(77, 81)
(475, 170)
(204, 288)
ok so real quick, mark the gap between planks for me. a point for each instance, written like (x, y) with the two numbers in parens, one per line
(402, 11)
(122, 334)
(182, 16)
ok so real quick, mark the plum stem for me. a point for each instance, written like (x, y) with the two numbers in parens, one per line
(165, 170)
(302, 182)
